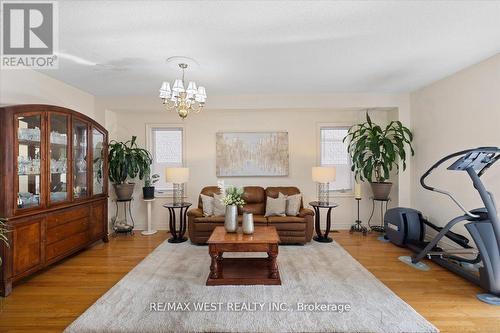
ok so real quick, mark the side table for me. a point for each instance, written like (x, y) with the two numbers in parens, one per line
(322, 237)
(177, 235)
(150, 231)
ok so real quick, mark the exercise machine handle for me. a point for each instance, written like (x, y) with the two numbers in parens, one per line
(441, 161)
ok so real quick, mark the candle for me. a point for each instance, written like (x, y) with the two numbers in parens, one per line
(357, 191)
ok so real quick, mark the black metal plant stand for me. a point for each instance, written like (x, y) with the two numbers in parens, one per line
(378, 228)
(177, 234)
(124, 227)
(358, 226)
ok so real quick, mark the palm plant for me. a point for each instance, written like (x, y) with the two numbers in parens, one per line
(375, 151)
(127, 161)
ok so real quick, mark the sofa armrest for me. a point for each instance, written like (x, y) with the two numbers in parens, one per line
(195, 212)
(305, 211)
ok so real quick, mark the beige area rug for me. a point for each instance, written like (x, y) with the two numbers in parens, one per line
(323, 289)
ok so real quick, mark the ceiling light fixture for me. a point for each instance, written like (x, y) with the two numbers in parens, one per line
(183, 101)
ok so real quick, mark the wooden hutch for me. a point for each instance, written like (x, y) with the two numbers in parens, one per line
(53, 187)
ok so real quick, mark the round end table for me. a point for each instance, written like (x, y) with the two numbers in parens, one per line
(177, 235)
(322, 237)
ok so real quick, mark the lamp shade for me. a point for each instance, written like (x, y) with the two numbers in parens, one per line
(177, 175)
(191, 89)
(323, 174)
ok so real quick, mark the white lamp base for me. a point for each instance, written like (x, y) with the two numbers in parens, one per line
(148, 232)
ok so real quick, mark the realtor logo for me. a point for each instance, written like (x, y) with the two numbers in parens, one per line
(29, 34)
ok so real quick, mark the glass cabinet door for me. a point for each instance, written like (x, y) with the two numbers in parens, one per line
(58, 154)
(29, 167)
(98, 156)
(80, 143)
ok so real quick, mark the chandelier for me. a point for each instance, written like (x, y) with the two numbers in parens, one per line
(181, 100)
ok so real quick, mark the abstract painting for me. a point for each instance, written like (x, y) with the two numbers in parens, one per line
(244, 154)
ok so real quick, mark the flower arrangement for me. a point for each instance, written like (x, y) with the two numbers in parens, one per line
(233, 196)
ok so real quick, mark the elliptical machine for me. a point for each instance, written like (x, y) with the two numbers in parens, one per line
(406, 227)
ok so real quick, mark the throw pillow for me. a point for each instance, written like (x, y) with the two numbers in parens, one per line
(276, 207)
(219, 208)
(293, 204)
(208, 205)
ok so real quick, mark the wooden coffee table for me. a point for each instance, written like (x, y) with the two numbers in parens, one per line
(243, 271)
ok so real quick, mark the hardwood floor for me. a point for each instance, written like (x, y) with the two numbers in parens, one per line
(51, 300)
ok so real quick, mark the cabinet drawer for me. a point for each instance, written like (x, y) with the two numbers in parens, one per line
(67, 229)
(66, 245)
(55, 219)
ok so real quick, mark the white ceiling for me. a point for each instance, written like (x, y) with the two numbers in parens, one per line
(272, 47)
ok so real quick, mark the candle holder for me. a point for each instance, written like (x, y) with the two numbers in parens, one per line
(358, 226)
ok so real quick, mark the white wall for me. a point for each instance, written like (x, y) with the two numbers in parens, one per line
(26, 86)
(200, 129)
(459, 112)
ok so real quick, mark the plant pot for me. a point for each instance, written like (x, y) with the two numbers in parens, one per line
(381, 190)
(124, 191)
(148, 192)
(231, 218)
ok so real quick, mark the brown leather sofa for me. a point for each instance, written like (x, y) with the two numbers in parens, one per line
(291, 229)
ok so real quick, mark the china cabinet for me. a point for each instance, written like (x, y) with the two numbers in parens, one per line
(53, 187)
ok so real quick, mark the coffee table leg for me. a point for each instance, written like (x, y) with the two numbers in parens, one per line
(214, 266)
(273, 265)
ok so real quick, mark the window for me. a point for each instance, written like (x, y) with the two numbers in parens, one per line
(333, 152)
(166, 146)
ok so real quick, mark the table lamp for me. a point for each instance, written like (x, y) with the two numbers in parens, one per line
(177, 176)
(323, 176)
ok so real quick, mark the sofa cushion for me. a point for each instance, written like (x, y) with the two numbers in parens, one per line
(285, 219)
(276, 206)
(293, 204)
(255, 199)
(256, 218)
(209, 219)
(207, 190)
(274, 191)
(208, 204)
(219, 207)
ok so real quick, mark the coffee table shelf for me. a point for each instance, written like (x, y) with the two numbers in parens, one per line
(244, 271)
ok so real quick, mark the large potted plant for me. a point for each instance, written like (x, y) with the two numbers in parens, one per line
(375, 151)
(126, 161)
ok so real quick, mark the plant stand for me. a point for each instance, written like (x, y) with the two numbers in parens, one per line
(378, 228)
(124, 226)
(358, 226)
(150, 230)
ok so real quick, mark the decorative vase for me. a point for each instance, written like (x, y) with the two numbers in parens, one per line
(231, 218)
(381, 190)
(248, 226)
